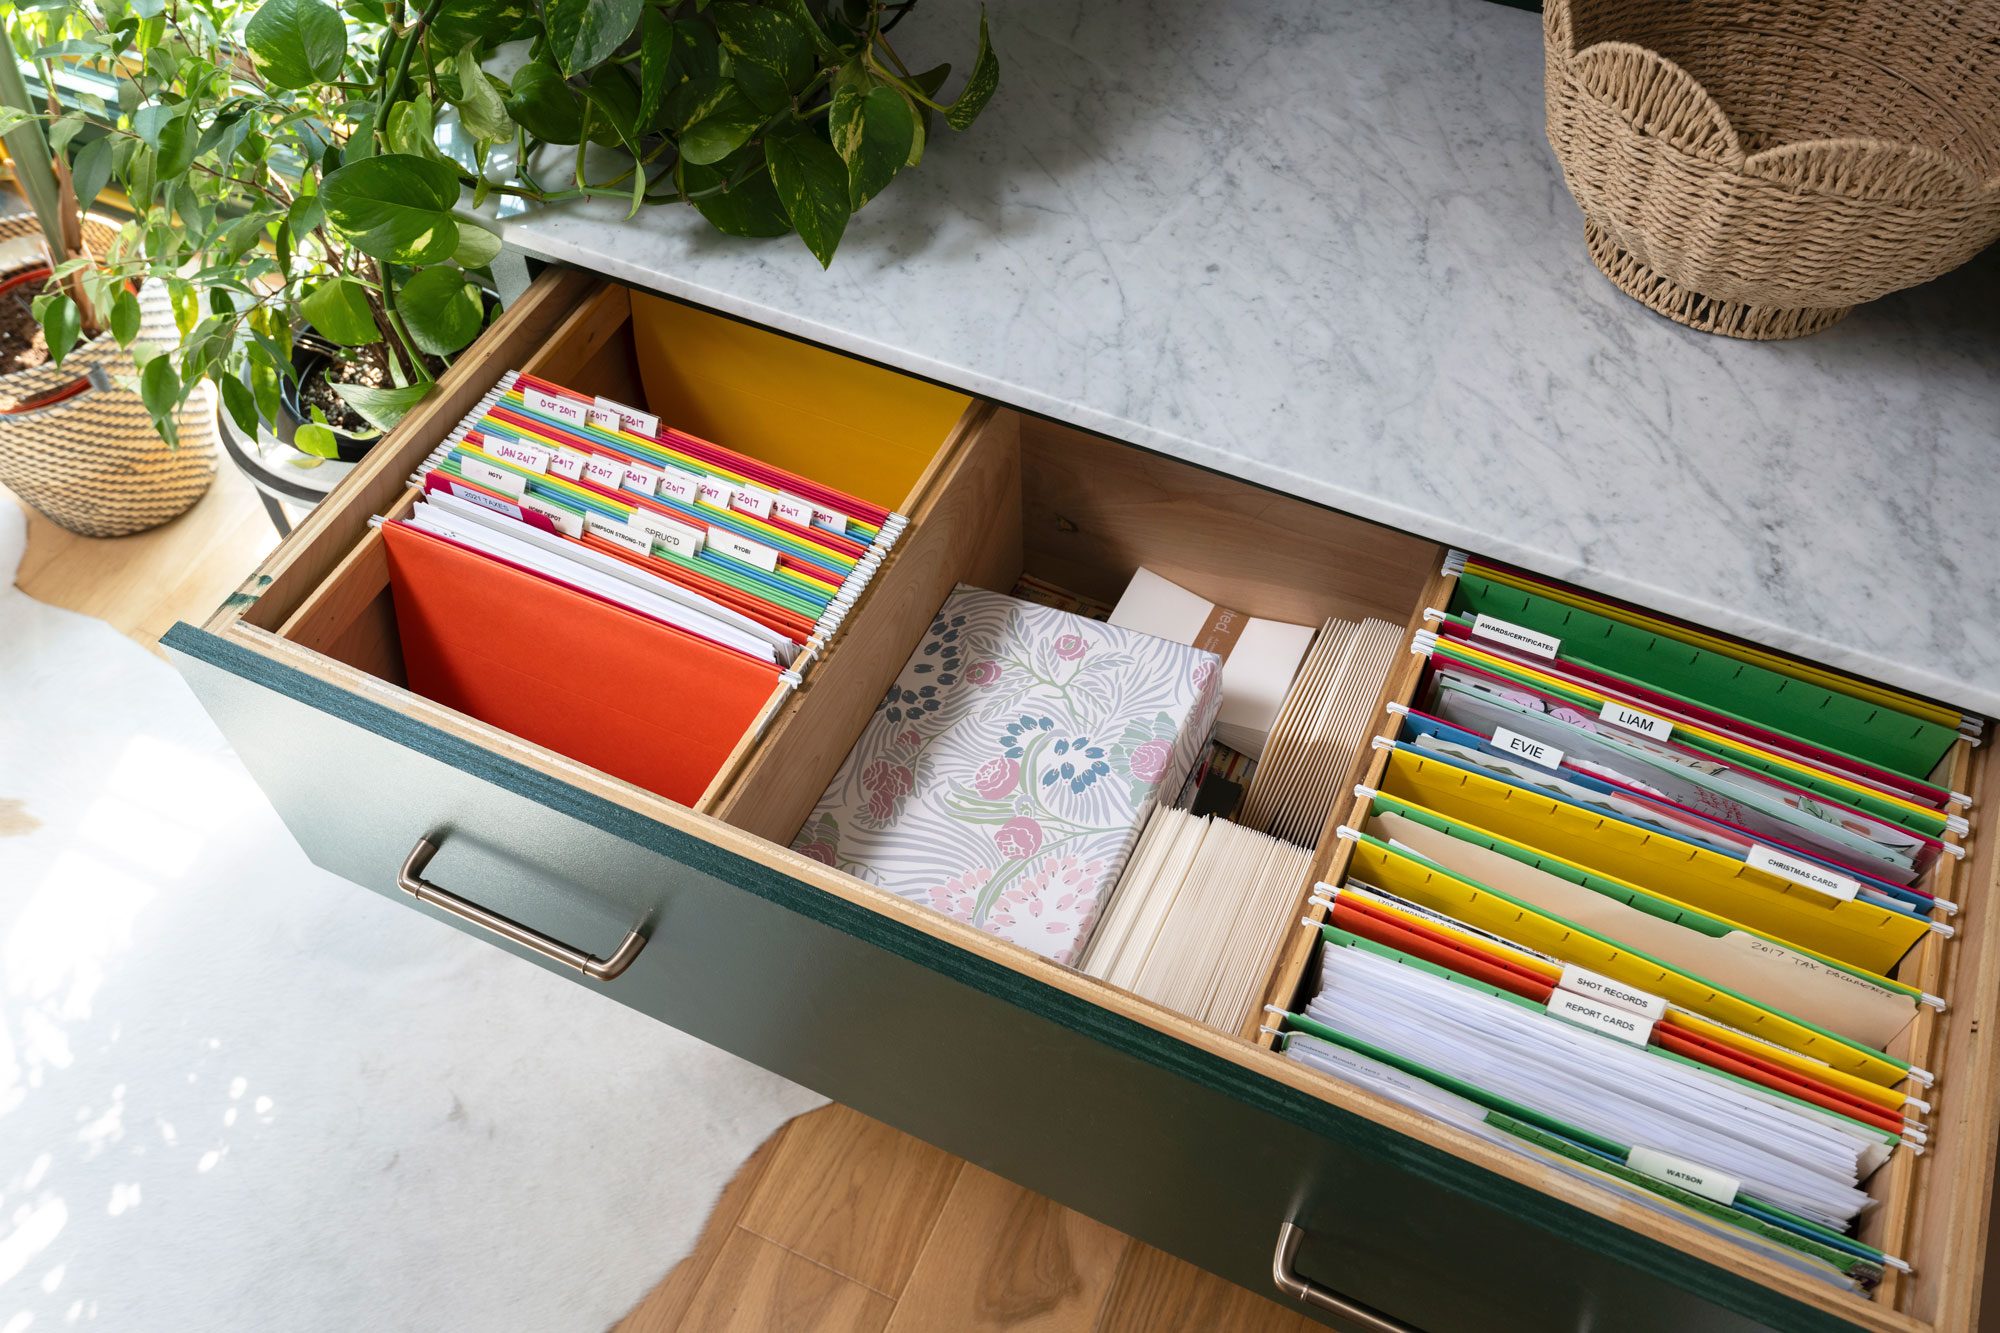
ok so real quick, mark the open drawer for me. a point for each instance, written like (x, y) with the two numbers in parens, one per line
(1207, 1144)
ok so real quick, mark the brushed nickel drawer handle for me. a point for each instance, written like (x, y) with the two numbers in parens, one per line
(411, 881)
(1288, 1280)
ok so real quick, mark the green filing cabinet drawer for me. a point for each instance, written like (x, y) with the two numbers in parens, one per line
(1170, 1143)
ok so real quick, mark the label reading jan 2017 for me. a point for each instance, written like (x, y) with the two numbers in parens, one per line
(563, 409)
(1618, 715)
(1612, 1022)
(1513, 742)
(533, 457)
(1516, 636)
(1803, 873)
(1705, 1181)
(1596, 986)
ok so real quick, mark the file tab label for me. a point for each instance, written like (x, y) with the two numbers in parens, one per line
(1516, 636)
(1623, 1024)
(1804, 873)
(681, 539)
(1514, 743)
(548, 404)
(611, 530)
(1596, 986)
(1705, 1181)
(567, 522)
(1618, 715)
(509, 484)
(751, 553)
(532, 457)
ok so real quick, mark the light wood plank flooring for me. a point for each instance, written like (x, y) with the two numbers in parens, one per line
(838, 1222)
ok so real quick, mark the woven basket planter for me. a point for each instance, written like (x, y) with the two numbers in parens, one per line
(89, 459)
(1759, 167)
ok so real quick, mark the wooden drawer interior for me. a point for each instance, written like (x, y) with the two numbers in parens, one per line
(992, 495)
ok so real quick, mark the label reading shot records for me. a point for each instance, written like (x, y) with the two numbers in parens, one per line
(1612, 1022)
(1596, 986)
(682, 540)
(568, 522)
(1806, 874)
(611, 530)
(1513, 742)
(1618, 715)
(563, 409)
(1516, 636)
(742, 548)
(1705, 1181)
(509, 484)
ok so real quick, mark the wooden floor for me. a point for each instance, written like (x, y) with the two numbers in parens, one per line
(838, 1222)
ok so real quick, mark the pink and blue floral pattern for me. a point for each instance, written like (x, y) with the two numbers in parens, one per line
(1006, 774)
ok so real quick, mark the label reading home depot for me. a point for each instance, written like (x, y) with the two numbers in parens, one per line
(597, 525)
(1612, 1022)
(509, 484)
(679, 485)
(1804, 873)
(1516, 636)
(1596, 986)
(631, 418)
(682, 540)
(530, 456)
(1513, 742)
(548, 404)
(568, 522)
(1618, 715)
(749, 552)
(1705, 1181)
(568, 463)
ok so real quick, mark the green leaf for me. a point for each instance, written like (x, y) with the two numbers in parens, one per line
(62, 323)
(616, 98)
(812, 185)
(305, 214)
(979, 85)
(91, 171)
(583, 34)
(160, 387)
(240, 403)
(297, 43)
(656, 59)
(441, 309)
(396, 206)
(124, 316)
(315, 439)
(749, 208)
(60, 133)
(479, 107)
(490, 22)
(177, 144)
(873, 127)
(264, 384)
(719, 124)
(541, 103)
(773, 55)
(383, 407)
(339, 309)
(801, 13)
(411, 128)
(477, 247)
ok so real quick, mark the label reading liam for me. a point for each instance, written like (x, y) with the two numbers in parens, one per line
(1514, 743)
(563, 409)
(1620, 1023)
(1618, 715)
(749, 552)
(1805, 873)
(1595, 986)
(1516, 636)
(1705, 1181)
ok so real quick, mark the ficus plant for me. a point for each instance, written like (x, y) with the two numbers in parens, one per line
(283, 167)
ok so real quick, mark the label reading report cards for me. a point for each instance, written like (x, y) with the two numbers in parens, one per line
(1612, 1022)
(1516, 636)
(1596, 986)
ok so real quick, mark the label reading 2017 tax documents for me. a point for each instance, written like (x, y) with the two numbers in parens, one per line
(1705, 1181)
(1618, 715)
(1612, 1022)
(1804, 873)
(749, 552)
(1516, 636)
(563, 409)
(1596, 986)
(1513, 742)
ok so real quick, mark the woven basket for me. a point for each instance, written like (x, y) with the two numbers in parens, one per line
(91, 461)
(1759, 167)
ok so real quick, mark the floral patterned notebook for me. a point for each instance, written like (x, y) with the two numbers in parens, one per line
(1006, 775)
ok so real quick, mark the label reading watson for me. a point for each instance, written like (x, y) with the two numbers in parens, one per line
(1618, 715)
(1703, 1180)
(611, 530)
(568, 522)
(749, 552)
(679, 538)
(530, 456)
(1804, 873)
(509, 484)
(563, 409)
(1619, 1023)
(1597, 986)
(1513, 742)
(1516, 636)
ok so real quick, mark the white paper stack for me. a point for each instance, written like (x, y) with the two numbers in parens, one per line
(1259, 657)
(1198, 915)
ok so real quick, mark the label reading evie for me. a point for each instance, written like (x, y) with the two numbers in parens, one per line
(1803, 873)
(1516, 636)
(1619, 1023)
(1618, 715)
(1705, 1181)
(1513, 742)
(1596, 986)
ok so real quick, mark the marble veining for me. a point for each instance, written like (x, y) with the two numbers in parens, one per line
(1323, 245)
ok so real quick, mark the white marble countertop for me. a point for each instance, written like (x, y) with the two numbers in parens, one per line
(1323, 245)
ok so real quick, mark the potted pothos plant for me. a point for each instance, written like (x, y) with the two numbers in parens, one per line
(325, 258)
